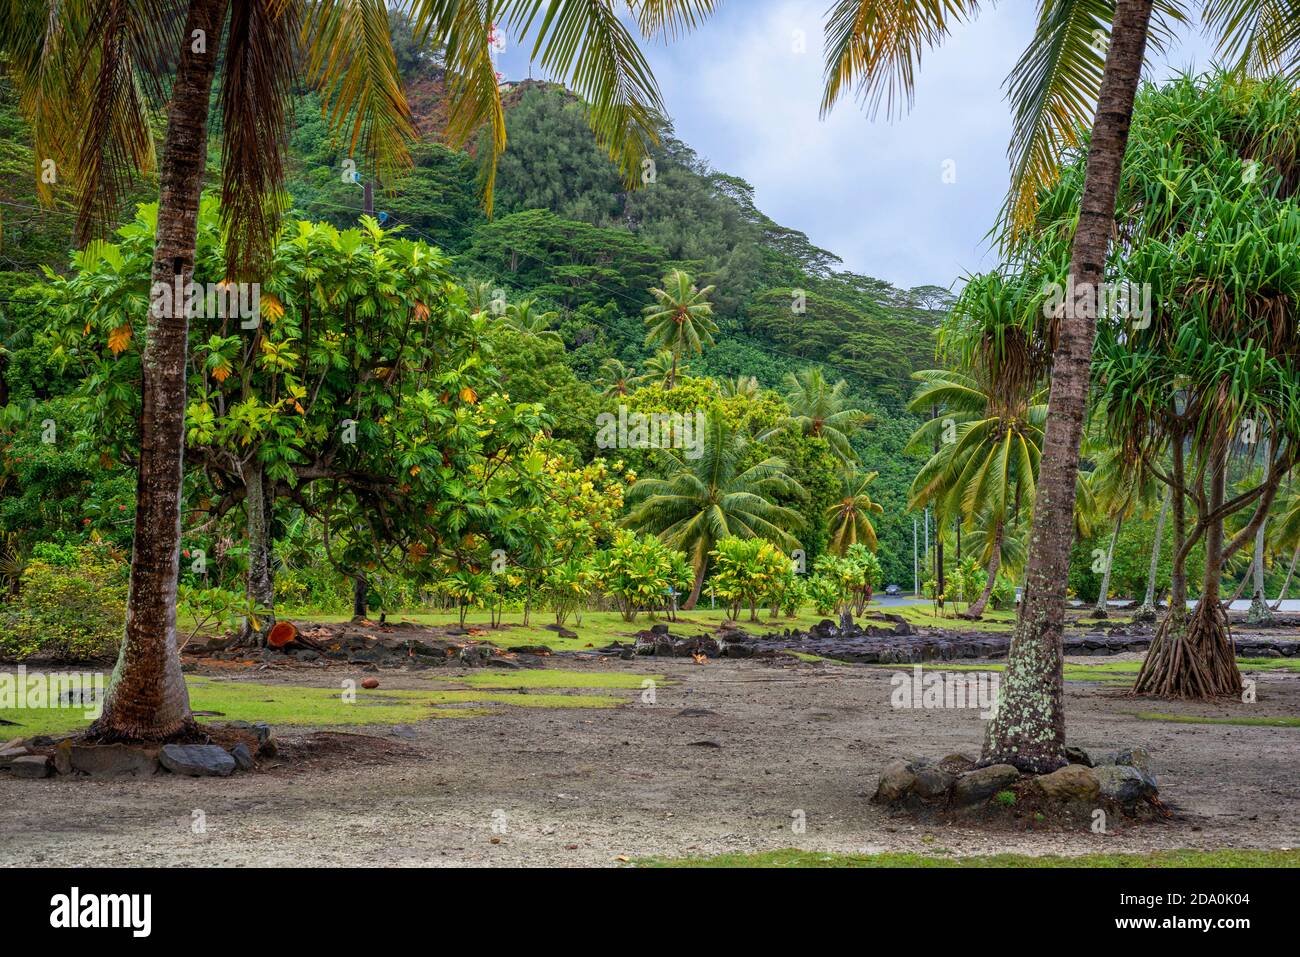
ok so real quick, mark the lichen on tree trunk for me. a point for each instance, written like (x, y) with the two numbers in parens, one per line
(147, 697)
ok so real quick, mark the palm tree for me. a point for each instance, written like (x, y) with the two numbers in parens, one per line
(712, 497)
(88, 74)
(819, 409)
(617, 378)
(848, 519)
(1064, 76)
(989, 442)
(661, 368)
(680, 319)
(742, 386)
(522, 317)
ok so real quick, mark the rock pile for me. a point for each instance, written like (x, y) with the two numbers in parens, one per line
(42, 757)
(1122, 779)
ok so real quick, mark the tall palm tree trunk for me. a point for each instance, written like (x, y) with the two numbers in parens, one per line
(1287, 582)
(995, 561)
(147, 697)
(1259, 610)
(1028, 729)
(1148, 610)
(694, 596)
(1099, 609)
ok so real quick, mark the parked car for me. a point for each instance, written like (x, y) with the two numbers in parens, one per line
(893, 590)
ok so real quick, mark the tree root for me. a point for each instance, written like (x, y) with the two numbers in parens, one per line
(1191, 657)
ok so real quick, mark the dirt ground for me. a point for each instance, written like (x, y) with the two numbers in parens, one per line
(584, 787)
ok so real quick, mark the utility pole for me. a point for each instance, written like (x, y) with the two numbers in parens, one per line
(916, 568)
(938, 529)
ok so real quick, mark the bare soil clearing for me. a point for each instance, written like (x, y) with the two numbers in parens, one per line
(722, 761)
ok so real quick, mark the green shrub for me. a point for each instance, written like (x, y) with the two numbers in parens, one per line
(66, 612)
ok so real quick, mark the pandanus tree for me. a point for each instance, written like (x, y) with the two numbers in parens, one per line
(1210, 377)
(680, 319)
(89, 76)
(718, 495)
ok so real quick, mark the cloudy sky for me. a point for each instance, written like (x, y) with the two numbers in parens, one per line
(744, 93)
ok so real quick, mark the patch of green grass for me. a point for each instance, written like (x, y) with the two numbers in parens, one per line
(1269, 664)
(923, 615)
(552, 678)
(1261, 722)
(292, 705)
(1159, 859)
(1005, 798)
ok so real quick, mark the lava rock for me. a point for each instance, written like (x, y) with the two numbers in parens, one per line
(1125, 784)
(1078, 756)
(931, 783)
(243, 757)
(1139, 758)
(197, 760)
(1074, 782)
(895, 783)
(30, 766)
(982, 783)
(112, 760)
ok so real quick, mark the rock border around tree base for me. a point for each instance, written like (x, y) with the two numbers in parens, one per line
(231, 747)
(1117, 788)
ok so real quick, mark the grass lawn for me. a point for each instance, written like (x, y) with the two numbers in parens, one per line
(288, 705)
(599, 628)
(1262, 722)
(795, 858)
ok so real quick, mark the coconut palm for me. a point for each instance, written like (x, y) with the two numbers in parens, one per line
(680, 319)
(89, 75)
(848, 518)
(989, 443)
(1064, 79)
(703, 500)
(617, 378)
(523, 317)
(1120, 486)
(742, 386)
(660, 369)
(819, 409)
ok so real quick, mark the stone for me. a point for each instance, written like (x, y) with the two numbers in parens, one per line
(982, 783)
(112, 760)
(197, 760)
(932, 783)
(1125, 784)
(895, 783)
(63, 757)
(1078, 756)
(508, 663)
(1139, 758)
(243, 757)
(370, 683)
(1074, 782)
(30, 766)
